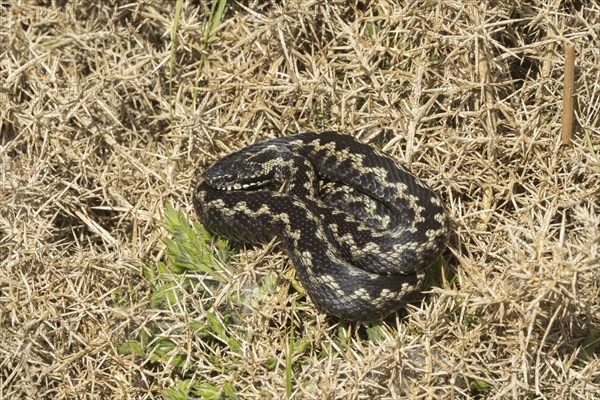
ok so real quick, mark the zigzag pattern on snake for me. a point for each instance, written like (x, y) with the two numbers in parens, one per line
(358, 227)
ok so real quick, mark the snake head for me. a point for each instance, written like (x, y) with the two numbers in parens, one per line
(250, 168)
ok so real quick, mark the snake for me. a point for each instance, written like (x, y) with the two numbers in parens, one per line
(359, 228)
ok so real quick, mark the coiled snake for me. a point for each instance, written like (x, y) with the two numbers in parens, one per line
(358, 227)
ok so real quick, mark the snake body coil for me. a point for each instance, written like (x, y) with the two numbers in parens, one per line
(358, 227)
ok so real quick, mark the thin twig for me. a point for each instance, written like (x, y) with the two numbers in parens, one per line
(567, 118)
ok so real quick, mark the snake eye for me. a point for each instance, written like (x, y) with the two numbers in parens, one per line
(229, 177)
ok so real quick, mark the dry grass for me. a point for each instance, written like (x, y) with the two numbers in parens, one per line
(469, 95)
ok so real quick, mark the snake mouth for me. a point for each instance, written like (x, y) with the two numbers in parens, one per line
(240, 186)
(231, 181)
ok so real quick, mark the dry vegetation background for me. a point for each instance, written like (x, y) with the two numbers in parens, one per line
(469, 95)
